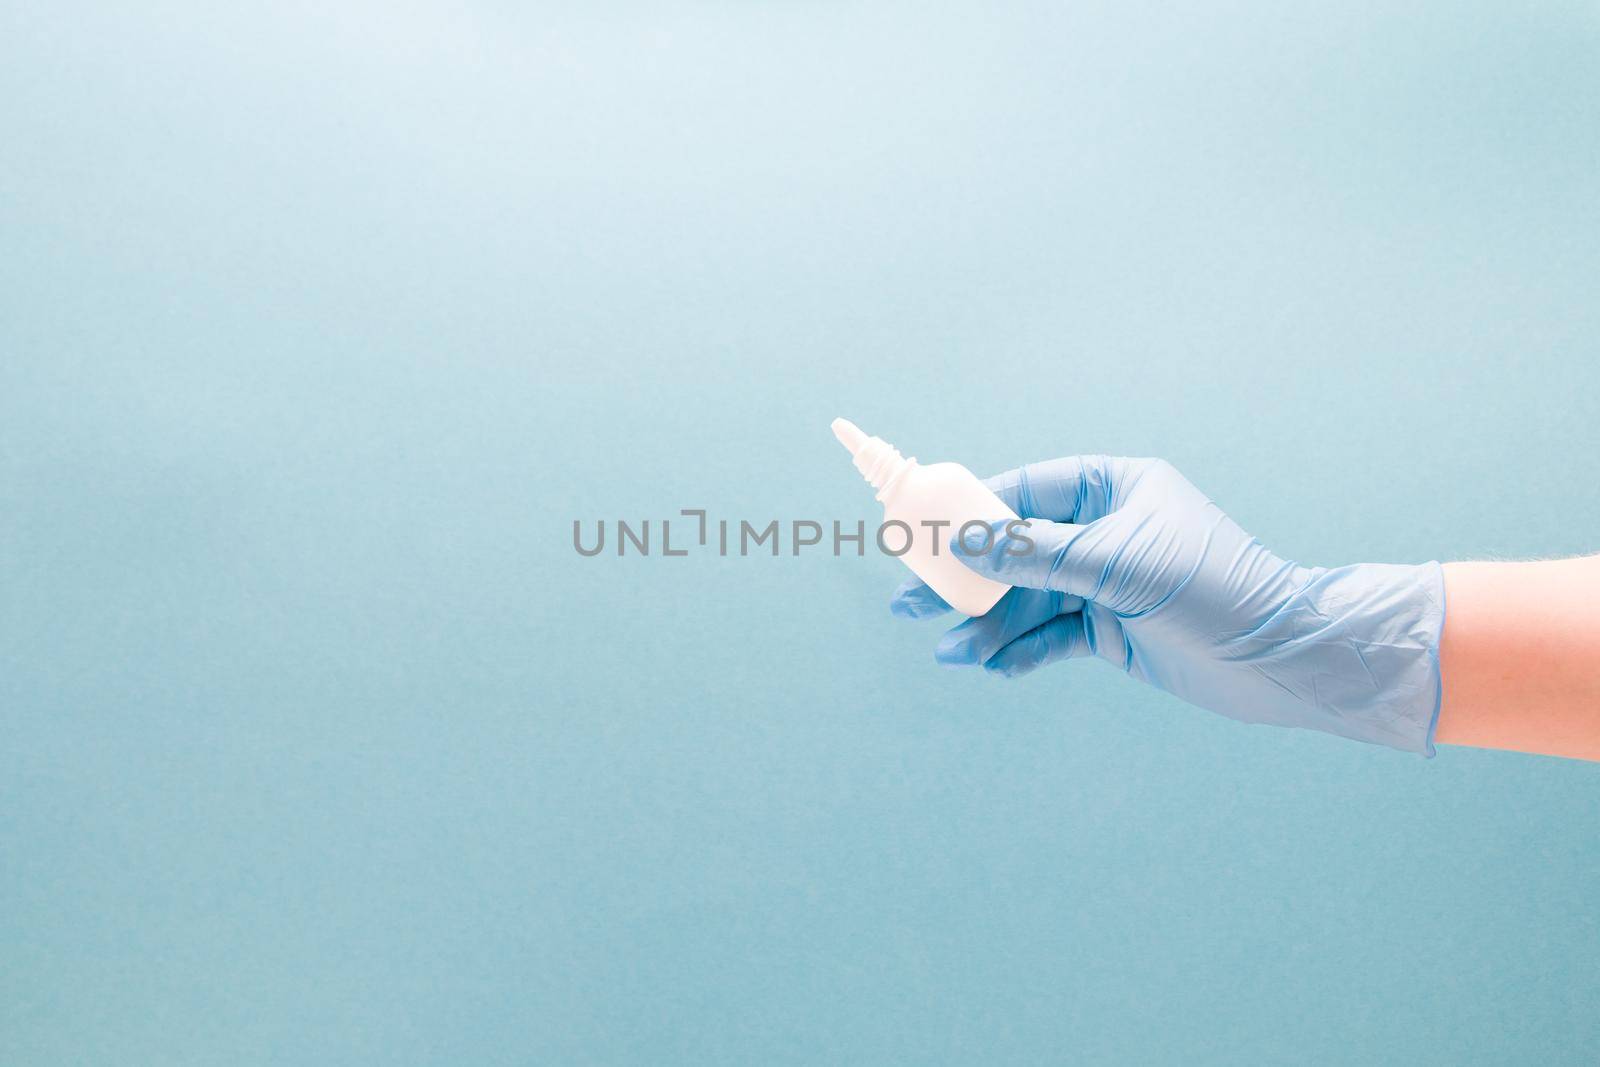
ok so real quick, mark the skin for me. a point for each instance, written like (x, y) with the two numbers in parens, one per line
(1518, 655)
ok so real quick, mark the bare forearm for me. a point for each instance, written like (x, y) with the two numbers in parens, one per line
(1520, 657)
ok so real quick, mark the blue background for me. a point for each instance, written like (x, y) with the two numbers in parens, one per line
(318, 328)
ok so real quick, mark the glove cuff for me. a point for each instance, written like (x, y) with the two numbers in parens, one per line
(1376, 630)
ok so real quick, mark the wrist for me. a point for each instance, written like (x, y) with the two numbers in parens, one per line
(1360, 645)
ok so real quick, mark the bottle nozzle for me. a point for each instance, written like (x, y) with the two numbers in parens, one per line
(849, 435)
(876, 459)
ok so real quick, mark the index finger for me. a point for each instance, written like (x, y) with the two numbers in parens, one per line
(915, 600)
(1074, 489)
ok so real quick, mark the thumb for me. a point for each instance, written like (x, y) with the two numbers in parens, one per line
(1064, 557)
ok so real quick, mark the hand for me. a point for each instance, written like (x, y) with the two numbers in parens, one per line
(1133, 564)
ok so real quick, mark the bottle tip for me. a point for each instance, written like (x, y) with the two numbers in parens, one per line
(849, 435)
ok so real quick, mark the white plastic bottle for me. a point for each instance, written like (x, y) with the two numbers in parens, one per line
(934, 503)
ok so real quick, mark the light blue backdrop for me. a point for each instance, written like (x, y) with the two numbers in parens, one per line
(319, 327)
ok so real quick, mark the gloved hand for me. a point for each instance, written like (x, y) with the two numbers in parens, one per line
(1133, 564)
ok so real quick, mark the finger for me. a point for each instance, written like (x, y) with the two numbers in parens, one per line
(1069, 489)
(1061, 556)
(1020, 610)
(1063, 637)
(914, 600)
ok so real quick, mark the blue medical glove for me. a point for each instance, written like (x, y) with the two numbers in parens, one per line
(1131, 563)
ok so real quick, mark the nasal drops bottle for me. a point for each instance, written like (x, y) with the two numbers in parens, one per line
(934, 503)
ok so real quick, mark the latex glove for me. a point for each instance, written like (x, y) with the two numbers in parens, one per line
(1135, 565)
